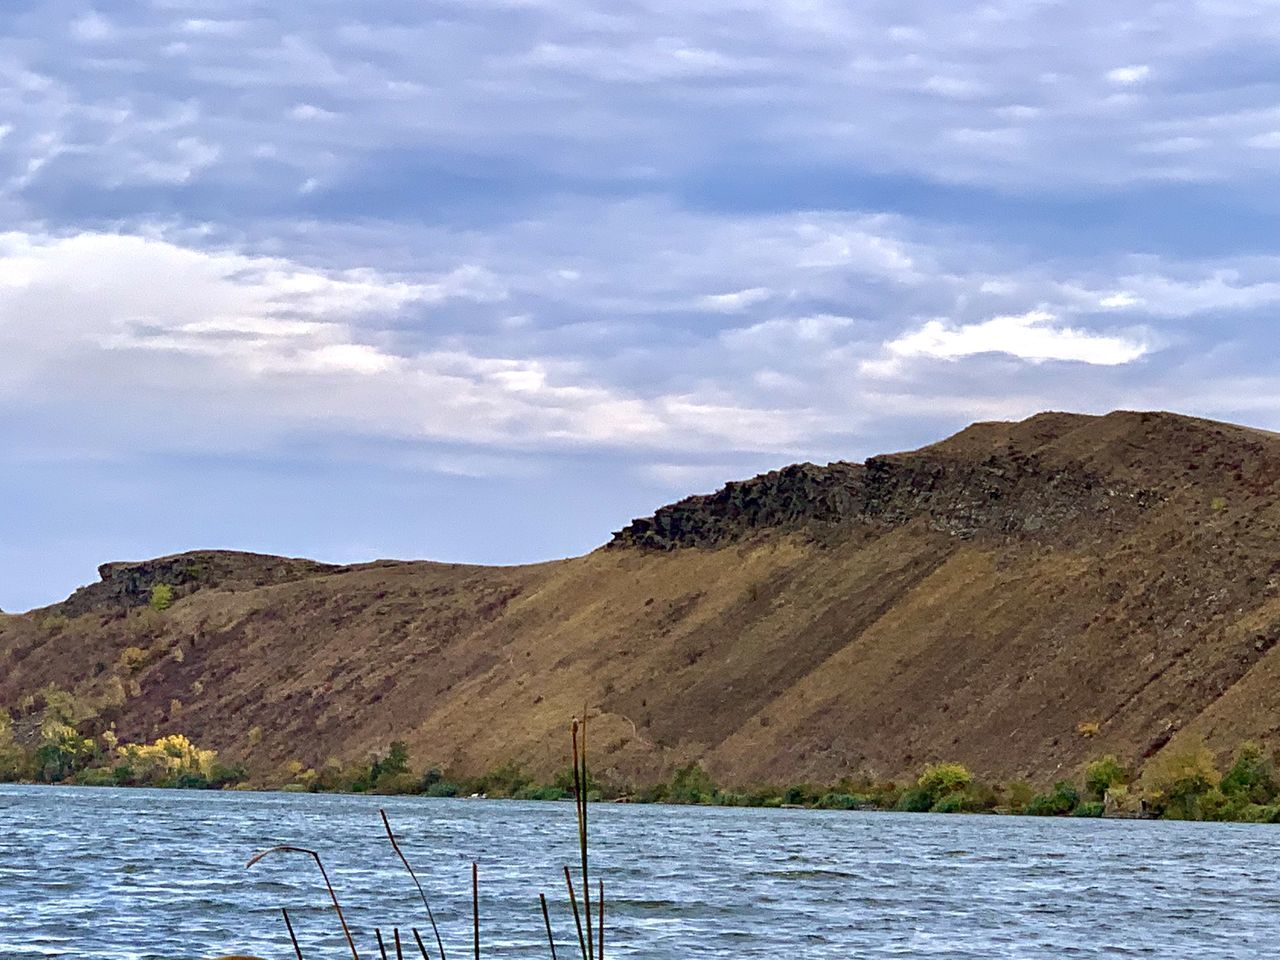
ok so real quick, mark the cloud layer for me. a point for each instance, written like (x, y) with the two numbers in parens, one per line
(649, 245)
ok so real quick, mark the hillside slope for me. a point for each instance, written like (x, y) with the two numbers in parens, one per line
(976, 600)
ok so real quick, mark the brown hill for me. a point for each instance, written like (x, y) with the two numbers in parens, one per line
(977, 600)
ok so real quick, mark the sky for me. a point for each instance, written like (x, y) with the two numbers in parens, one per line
(481, 280)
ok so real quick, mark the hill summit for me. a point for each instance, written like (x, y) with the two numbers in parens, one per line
(1019, 597)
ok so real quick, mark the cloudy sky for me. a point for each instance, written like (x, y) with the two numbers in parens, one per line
(483, 279)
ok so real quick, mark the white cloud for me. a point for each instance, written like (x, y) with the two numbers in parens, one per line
(957, 87)
(736, 301)
(93, 27)
(1034, 336)
(1128, 76)
(218, 28)
(256, 347)
(1118, 301)
(662, 87)
(309, 111)
(179, 163)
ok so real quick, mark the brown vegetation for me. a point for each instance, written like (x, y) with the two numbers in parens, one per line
(1021, 597)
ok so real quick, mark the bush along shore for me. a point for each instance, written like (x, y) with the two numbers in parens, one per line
(1181, 785)
(1184, 783)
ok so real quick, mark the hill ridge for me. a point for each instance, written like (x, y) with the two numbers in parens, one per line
(984, 599)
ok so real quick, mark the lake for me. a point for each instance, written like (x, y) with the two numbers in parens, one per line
(101, 873)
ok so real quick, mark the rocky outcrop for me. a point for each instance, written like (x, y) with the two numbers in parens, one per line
(129, 584)
(1006, 493)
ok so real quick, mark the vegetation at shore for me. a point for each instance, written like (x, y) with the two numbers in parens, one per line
(1183, 785)
(52, 742)
(58, 737)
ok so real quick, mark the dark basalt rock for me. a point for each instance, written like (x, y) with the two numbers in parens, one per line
(129, 584)
(1009, 493)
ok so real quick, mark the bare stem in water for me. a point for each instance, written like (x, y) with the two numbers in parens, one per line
(475, 905)
(546, 918)
(421, 893)
(332, 894)
(577, 919)
(292, 939)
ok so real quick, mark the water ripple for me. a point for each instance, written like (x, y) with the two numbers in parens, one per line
(140, 874)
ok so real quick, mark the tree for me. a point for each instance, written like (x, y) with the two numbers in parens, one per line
(1178, 783)
(1252, 776)
(161, 597)
(1103, 774)
(942, 779)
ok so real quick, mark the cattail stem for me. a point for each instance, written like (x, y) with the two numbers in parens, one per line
(546, 918)
(475, 905)
(382, 947)
(395, 932)
(405, 860)
(577, 919)
(600, 925)
(329, 886)
(421, 946)
(580, 796)
(292, 939)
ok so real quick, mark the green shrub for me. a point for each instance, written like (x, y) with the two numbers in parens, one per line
(941, 779)
(188, 780)
(800, 795)
(96, 777)
(443, 788)
(396, 784)
(390, 770)
(1178, 784)
(841, 801)
(226, 775)
(539, 793)
(504, 781)
(1064, 798)
(1259, 813)
(1103, 774)
(654, 793)
(691, 785)
(915, 800)
(952, 803)
(1252, 776)
(564, 780)
(1088, 808)
(884, 795)
(161, 597)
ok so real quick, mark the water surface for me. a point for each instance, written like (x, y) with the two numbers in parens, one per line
(100, 873)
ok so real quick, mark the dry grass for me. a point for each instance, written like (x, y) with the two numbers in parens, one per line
(775, 658)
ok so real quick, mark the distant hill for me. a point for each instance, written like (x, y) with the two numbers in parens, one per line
(984, 599)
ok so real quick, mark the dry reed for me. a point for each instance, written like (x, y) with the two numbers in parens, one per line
(590, 938)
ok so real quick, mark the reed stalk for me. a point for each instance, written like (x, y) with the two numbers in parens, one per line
(421, 946)
(475, 905)
(421, 893)
(323, 873)
(580, 790)
(577, 919)
(292, 939)
(382, 947)
(546, 918)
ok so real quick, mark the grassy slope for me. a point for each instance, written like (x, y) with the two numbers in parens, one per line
(777, 657)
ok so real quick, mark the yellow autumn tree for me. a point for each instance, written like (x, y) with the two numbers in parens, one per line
(167, 760)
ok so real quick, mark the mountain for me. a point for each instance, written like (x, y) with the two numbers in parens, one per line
(1020, 597)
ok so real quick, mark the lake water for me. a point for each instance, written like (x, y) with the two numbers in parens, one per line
(91, 873)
